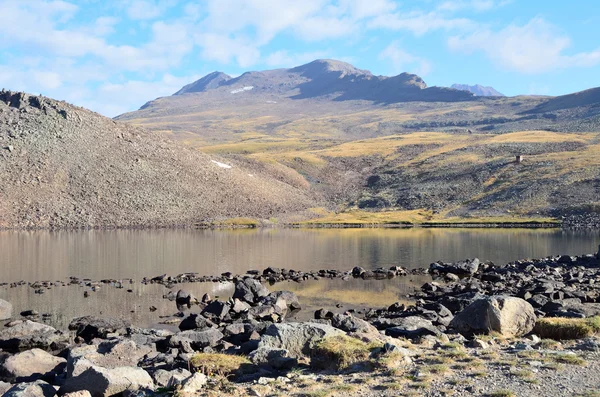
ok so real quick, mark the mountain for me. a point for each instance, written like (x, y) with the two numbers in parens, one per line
(210, 81)
(588, 99)
(477, 89)
(377, 143)
(63, 166)
(327, 78)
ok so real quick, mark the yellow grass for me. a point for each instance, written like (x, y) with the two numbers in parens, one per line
(412, 217)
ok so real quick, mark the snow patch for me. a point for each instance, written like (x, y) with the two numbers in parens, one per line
(222, 165)
(247, 88)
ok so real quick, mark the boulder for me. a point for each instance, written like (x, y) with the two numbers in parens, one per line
(195, 321)
(184, 298)
(272, 271)
(216, 310)
(285, 300)
(297, 338)
(32, 365)
(250, 290)
(506, 315)
(4, 387)
(108, 354)
(197, 339)
(240, 306)
(27, 335)
(412, 327)
(349, 323)
(38, 388)
(104, 382)
(170, 379)
(323, 314)
(90, 327)
(193, 385)
(466, 267)
(271, 357)
(5, 310)
(267, 313)
(459, 302)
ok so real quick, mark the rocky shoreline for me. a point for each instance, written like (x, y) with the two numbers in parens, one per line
(476, 328)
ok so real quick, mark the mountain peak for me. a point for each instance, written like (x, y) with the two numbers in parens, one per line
(212, 80)
(328, 66)
(325, 79)
(477, 89)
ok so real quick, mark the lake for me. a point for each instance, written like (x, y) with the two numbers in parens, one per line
(119, 254)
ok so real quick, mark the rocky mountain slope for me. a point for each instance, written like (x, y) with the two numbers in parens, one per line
(64, 166)
(361, 141)
(477, 89)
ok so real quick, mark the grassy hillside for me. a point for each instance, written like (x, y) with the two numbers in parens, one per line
(454, 161)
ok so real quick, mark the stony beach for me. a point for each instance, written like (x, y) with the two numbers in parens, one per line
(526, 328)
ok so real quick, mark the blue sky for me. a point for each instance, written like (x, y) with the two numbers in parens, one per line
(113, 56)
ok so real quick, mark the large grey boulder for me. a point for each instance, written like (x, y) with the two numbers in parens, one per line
(249, 290)
(506, 315)
(272, 357)
(32, 365)
(27, 335)
(349, 323)
(197, 339)
(297, 338)
(412, 327)
(170, 379)
(109, 354)
(104, 382)
(193, 385)
(5, 310)
(38, 388)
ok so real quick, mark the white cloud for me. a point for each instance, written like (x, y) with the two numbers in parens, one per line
(223, 49)
(359, 9)
(472, 5)
(148, 9)
(403, 61)
(535, 47)
(112, 99)
(420, 23)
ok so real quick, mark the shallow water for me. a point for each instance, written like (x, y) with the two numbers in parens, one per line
(43, 255)
(120, 254)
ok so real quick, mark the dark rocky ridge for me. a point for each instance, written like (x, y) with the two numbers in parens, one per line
(332, 79)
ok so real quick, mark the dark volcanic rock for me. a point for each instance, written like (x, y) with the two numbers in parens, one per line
(467, 267)
(195, 321)
(26, 335)
(412, 327)
(90, 327)
(250, 290)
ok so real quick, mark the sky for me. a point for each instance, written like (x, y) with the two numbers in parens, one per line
(113, 56)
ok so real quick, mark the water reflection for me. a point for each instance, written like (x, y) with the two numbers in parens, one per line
(62, 304)
(43, 255)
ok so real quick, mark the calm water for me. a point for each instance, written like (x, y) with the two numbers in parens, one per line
(42, 255)
(33, 256)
